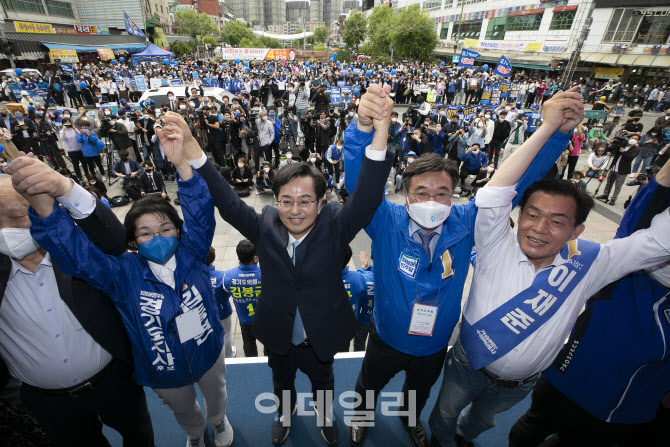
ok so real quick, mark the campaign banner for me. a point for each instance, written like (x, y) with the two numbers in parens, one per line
(335, 97)
(195, 75)
(84, 29)
(68, 56)
(64, 31)
(504, 89)
(469, 113)
(495, 96)
(504, 67)
(67, 68)
(153, 82)
(467, 58)
(32, 27)
(140, 82)
(501, 45)
(164, 82)
(105, 54)
(340, 84)
(486, 95)
(175, 82)
(513, 91)
(356, 71)
(455, 59)
(257, 54)
(103, 31)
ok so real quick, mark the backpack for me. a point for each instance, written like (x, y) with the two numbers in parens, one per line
(119, 200)
(133, 189)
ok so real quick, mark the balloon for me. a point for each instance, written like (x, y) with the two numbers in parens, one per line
(334, 55)
(223, 65)
(363, 67)
(307, 64)
(485, 67)
(121, 59)
(338, 63)
(247, 69)
(18, 72)
(113, 61)
(166, 61)
(83, 84)
(442, 64)
(368, 73)
(393, 72)
(2, 148)
(237, 61)
(357, 92)
(245, 63)
(100, 145)
(270, 69)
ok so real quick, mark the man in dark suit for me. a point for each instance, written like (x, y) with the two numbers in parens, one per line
(7, 121)
(303, 316)
(23, 133)
(61, 337)
(151, 181)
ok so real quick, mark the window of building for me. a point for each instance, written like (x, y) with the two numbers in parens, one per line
(24, 5)
(444, 32)
(524, 23)
(59, 8)
(467, 30)
(431, 5)
(653, 30)
(622, 26)
(496, 29)
(562, 21)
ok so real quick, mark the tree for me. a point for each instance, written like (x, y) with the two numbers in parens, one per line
(194, 24)
(271, 42)
(319, 47)
(414, 36)
(234, 31)
(299, 31)
(210, 41)
(180, 47)
(354, 30)
(320, 34)
(380, 37)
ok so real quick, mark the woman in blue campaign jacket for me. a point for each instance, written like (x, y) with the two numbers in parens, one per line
(163, 293)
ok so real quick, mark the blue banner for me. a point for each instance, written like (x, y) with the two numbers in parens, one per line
(131, 28)
(141, 82)
(486, 96)
(67, 68)
(175, 82)
(504, 67)
(467, 58)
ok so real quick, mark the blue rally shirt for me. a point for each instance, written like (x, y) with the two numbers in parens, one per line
(148, 306)
(243, 283)
(403, 271)
(365, 309)
(222, 298)
(354, 284)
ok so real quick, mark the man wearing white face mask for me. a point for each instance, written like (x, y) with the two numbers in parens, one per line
(619, 169)
(264, 178)
(61, 337)
(422, 249)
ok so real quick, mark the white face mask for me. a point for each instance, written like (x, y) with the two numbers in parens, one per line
(632, 142)
(240, 165)
(267, 170)
(313, 159)
(112, 122)
(339, 148)
(475, 152)
(410, 160)
(192, 104)
(17, 243)
(429, 214)
(264, 118)
(490, 169)
(289, 156)
(508, 108)
(487, 116)
(170, 98)
(394, 120)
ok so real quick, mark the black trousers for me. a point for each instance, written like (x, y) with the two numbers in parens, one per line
(94, 161)
(361, 337)
(116, 401)
(266, 151)
(214, 148)
(572, 164)
(336, 167)
(78, 157)
(382, 363)
(275, 149)
(248, 341)
(285, 366)
(494, 151)
(552, 413)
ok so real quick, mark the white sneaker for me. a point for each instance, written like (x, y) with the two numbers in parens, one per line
(104, 179)
(234, 352)
(631, 176)
(457, 196)
(258, 193)
(223, 433)
(200, 442)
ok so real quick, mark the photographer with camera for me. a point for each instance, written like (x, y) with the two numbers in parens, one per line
(457, 145)
(474, 160)
(195, 97)
(144, 129)
(623, 154)
(517, 136)
(124, 120)
(424, 109)
(403, 138)
(334, 155)
(118, 133)
(68, 136)
(266, 135)
(210, 118)
(276, 122)
(289, 125)
(322, 133)
(23, 132)
(127, 169)
(264, 178)
(301, 100)
(419, 142)
(90, 147)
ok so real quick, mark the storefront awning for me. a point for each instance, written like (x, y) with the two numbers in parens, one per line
(92, 49)
(661, 61)
(610, 59)
(593, 57)
(644, 61)
(627, 59)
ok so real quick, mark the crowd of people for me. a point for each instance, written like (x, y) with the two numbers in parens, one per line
(122, 306)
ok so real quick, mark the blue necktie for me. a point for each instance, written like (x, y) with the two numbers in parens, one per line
(298, 329)
(425, 241)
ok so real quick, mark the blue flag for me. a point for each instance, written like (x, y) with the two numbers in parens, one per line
(504, 67)
(131, 28)
(467, 58)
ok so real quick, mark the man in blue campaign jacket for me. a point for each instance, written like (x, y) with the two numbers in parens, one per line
(243, 283)
(614, 370)
(365, 309)
(534, 120)
(403, 139)
(415, 266)
(354, 284)
(223, 303)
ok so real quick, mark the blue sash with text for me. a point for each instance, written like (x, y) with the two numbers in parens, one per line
(510, 324)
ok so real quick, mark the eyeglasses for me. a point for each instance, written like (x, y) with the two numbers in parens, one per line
(147, 235)
(441, 197)
(303, 204)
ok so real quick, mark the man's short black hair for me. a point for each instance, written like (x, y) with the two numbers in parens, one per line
(152, 204)
(294, 170)
(565, 188)
(124, 153)
(211, 257)
(476, 144)
(148, 164)
(503, 113)
(430, 162)
(348, 253)
(246, 252)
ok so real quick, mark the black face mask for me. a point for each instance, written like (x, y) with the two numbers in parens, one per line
(124, 159)
(147, 170)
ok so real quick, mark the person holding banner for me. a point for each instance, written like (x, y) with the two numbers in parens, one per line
(528, 288)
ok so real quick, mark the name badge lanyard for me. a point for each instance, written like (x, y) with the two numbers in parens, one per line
(424, 311)
(188, 324)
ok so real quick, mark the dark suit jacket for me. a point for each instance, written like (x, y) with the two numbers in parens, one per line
(145, 182)
(94, 310)
(13, 123)
(314, 284)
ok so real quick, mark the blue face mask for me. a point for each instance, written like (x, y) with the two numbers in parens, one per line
(272, 115)
(159, 248)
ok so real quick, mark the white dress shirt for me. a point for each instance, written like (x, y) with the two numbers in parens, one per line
(503, 270)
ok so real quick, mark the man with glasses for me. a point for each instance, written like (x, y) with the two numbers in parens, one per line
(420, 272)
(303, 316)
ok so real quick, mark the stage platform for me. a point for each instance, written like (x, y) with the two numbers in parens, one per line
(248, 378)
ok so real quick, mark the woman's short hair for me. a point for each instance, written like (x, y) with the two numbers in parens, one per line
(153, 204)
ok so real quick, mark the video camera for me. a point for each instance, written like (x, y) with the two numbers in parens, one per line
(618, 142)
(202, 117)
(134, 116)
(105, 126)
(413, 112)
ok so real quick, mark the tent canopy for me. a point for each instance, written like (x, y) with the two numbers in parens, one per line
(152, 52)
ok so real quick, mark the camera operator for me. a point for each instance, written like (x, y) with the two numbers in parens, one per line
(322, 133)
(125, 168)
(229, 136)
(23, 132)
(266, 134)
(424, 108)
(289, 124)
(94, 122)
(301, 100)
(309, 133)
(276, 122)
(118, 133)
(419, 143)
(144, 129)
(211, 121)
(264, 178)
(623, 155)
(457, 145)
(332, 132)
(516, 137)
(334, 155)
(195, 97)
(50, 139)
(246, 134)
(130, 127)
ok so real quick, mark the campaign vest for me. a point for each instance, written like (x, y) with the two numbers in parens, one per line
(499, 332)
